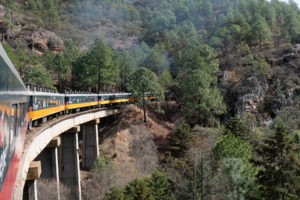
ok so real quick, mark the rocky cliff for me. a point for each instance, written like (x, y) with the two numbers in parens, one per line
(247, 92)
(20, 31)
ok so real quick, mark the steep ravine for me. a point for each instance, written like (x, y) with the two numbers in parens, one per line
(136, 149)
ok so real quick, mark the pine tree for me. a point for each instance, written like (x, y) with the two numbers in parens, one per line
(278, 159)
(138, 190)
(180, 139)
(159, 186)
(101, 57)
(114, 193)
(141, 82)
(260, 29)
(237, 127)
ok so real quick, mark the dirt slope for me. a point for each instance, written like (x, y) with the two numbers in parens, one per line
(136, 148)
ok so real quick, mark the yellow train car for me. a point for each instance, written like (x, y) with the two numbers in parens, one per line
(78, 101)
(117, 98)
(44, 104)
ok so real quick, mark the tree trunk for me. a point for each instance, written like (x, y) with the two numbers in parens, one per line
(201, 178)
(260, 40)
(99, 77)
(199, 112)
(145, 119)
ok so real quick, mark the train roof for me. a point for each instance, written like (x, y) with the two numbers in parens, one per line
(36, 93)
(81, 95)
(111, 94)
(14, 93)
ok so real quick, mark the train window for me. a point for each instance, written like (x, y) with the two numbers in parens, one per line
(36, 103)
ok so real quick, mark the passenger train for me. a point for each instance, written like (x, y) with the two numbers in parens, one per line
(22, 107)
(44, 103)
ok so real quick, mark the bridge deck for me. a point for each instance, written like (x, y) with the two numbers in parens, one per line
(37, 139)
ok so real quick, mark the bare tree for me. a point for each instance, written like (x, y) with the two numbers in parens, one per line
(143, 149)
(47, 190)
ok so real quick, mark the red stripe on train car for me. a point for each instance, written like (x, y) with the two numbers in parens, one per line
(10, 178)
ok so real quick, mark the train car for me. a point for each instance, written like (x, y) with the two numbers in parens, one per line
(13, 123)
(117, 98)
(44, 104)
(75, 102)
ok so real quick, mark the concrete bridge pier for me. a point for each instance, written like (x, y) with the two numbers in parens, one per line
(90, 143)
(69, 161)
(49, 162)
(30, 188)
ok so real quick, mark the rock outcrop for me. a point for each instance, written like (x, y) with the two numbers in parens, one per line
(251, 94)
(246, 91)
(42, 40)
(24, 32)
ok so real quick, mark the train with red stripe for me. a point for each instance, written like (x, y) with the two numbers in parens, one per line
(22, 107)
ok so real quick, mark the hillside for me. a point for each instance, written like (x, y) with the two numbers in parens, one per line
(241, 33)
(230, 68)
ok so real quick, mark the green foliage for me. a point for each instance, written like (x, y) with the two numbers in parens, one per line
(165, 79)
(198, 95)
(114, 193)
(102, 169)
(37, 75)
(156, 61)
(279, 165)
(196, 67)
(102, 163)
(235, 154)
(241, 178)
(159, 186)
(101, 57)
(47, 9)
(18, 58)
(96, 68)
(138, 190)
(243, 49)
(60, 66)
(127, 65)
(156, 187)
(84, 73)
(230, 146)
(260, 29)
(238, 128)
(143, 82)
(179, 140)
(48, 59)
(262, 66)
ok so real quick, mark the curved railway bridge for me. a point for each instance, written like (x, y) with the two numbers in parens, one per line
(51, 148)
(52, 151)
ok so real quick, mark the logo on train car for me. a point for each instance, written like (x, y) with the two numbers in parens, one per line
(4, 145)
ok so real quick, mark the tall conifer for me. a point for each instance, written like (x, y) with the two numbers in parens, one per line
(279, 164)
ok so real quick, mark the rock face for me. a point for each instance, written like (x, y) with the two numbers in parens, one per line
(39, 40)
(25, 33)
(42, 40)
(245, 91)
(251, 95)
